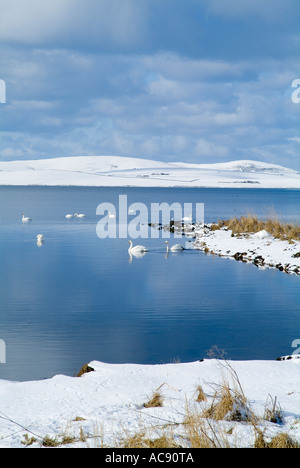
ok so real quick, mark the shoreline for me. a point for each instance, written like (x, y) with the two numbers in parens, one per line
(236, 186)
(260, 249)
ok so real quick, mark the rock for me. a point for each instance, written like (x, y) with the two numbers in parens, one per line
(259, 260)
(239, 256)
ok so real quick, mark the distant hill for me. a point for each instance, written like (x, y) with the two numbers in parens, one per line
(108, 171)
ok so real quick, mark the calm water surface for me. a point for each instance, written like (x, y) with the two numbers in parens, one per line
(79, 298)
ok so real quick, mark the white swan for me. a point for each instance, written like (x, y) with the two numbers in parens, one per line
(137, 249)
(25, 219)
(76, 215)
(69, 216)
(174, 248)
(40, 239)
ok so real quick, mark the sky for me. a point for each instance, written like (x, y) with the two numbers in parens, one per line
(200, 81)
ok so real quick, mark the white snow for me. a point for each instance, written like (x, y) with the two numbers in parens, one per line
(109, 401)
(259, 248)
(108, 171)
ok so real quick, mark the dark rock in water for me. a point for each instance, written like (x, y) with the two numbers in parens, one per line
(259, 261)
(239, 256)
(284, 358)
(279, 267)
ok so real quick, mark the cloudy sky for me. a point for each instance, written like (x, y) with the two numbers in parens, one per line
(195, 80)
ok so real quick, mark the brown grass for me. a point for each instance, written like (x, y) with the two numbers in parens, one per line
(280, 441)
(273, 411)
(251, 224)
(200, 395)
(228, 404)
(155, 401)
(84, 370)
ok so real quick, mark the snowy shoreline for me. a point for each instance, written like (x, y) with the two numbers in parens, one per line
(110, 401)
(260, 249)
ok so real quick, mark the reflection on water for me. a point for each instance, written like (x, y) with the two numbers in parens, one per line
(76, 298)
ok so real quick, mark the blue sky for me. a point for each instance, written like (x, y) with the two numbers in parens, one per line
(199, 81)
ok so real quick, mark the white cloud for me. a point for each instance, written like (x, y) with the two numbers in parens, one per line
(82, 85)
(72, 22)
(208, 149)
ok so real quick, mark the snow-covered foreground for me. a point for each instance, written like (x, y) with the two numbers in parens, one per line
(109, 401)
(106, 171)
(260, 248)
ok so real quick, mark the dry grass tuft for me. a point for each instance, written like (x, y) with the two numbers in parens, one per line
(84, 370)
(197, 432)
(228, 404)
(280, 441)
(140, 441)
(273, 411)
(200, 395)
(251, 224)
(155, 401)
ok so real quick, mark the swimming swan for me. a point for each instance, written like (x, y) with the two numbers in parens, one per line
(136, 249)
(76, 215)
(25, 220)
(69, 216)
(174, 248)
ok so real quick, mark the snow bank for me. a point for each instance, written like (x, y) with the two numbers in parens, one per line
(260, 248)
(109, 171)
(110, 400)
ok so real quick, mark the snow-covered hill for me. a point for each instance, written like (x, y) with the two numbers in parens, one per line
(109, 171)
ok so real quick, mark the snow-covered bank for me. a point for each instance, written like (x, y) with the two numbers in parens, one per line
(107, 171)
(260, 248)
(110, 401)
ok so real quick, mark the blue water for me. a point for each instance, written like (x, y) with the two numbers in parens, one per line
(79, 298)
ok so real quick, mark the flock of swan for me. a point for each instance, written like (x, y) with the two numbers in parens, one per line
(133, 250)
(40, 238)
